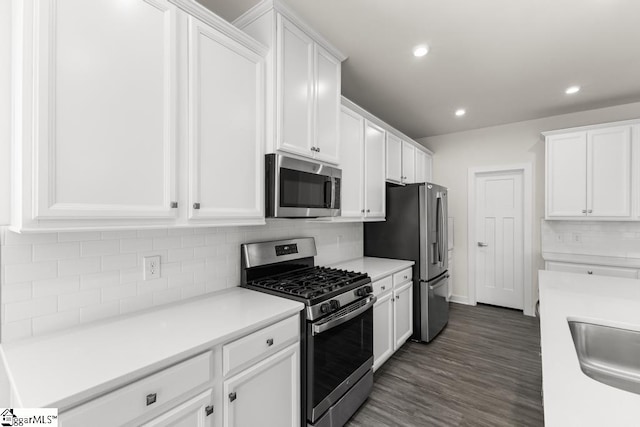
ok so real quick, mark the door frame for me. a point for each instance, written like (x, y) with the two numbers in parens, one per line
(527, 219)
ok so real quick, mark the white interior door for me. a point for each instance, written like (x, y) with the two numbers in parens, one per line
(500, 234)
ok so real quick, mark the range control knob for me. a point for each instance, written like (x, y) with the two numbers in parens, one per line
(368, 290)
(335, 304)
(360, 292)
(325, 308)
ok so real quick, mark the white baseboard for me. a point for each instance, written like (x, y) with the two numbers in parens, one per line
(459, 299)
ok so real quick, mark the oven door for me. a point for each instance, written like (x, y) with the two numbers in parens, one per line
(339, 353)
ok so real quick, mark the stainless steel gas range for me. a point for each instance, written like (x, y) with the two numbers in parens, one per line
(336, 325)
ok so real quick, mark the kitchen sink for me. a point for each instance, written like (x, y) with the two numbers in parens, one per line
(608, 354)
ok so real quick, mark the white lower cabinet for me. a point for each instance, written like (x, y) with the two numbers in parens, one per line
(266, 394)
(252, 381)
(597, 270)
(402, 314)
(392, 315)
(383, 343)
(196, 412)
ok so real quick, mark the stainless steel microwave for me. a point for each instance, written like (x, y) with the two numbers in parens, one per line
(300, 189)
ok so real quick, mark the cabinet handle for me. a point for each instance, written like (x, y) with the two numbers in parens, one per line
(584, 211)
(362, 211)
(382, 287)
(317, 149)
(368, 210)
(406, 277)
(270, 342)
(589, 272)
(196, 206)
(174, 205)
(397, 296)
(590, 211)
(208, 410)
(151, 398)
(232, 396)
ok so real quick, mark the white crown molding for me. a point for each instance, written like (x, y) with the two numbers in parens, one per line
(346, 102)
(283, 9)
(592, 127)
(197, 10)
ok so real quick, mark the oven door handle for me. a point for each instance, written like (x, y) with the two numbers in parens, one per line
(318, 329)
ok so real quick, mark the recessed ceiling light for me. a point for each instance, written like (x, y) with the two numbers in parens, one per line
(461, 112)
(421, 50)
(572, 89)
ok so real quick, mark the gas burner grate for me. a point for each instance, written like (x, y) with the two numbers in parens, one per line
(310, 282)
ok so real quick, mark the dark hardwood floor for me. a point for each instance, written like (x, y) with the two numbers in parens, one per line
(484, 369)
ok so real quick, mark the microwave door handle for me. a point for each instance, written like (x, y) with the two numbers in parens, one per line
(327, 193)
(333, 193)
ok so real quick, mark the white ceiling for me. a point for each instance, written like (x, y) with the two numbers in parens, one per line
(502, 60)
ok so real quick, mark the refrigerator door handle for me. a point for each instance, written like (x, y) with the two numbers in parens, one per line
(439, 231)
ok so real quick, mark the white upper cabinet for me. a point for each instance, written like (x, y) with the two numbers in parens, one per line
(295, 90)
(408, 163)
(567, 175)
(226, 132)
(374, 176)
(589, 173)
(305, 83)
(394, 159)
(423, 166)
(95, 111)
(327, 90)
(108, 97)
(609, 172)
(352, 165)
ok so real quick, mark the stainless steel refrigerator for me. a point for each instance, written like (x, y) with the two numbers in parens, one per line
(416, 229)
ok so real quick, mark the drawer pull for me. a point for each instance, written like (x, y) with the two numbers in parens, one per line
(589, 272)
(208, 410)
(270, 342)
(383, 287)
(151, 398)
(232, 396)
(397, 297)
(406, 277)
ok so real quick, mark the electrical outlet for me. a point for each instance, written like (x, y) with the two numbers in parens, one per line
(151, 267)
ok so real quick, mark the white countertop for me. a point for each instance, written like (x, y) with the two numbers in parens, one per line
(570, 397)
(58, 369)
(376, 268)
(592, 259)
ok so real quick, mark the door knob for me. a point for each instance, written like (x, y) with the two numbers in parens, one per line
(482, 244)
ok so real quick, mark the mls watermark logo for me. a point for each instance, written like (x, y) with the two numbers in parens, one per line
(10, 417)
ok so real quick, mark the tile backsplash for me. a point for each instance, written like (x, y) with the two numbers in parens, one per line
(615, 239)
(52, 281)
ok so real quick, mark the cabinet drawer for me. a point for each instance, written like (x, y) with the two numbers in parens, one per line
(148, 394)
(598, 270)
(402, 276)
(383, 285)
(258, 345)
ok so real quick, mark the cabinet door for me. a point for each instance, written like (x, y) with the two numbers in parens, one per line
(428, 173)
(383, 344)
(196, 412)
(394, 158)
(295, 89)
(226, 127)
(327, 90)
(374, 194)
(566, 175)
(408, 163)
(351, 152)
(267, 394)
(609, 172)
(421, 166)
(403, 314)
(105, 109)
